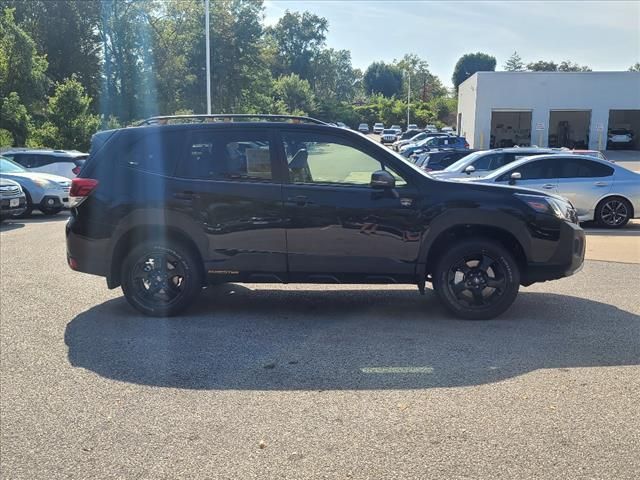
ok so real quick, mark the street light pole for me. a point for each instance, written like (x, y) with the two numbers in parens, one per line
(408, 98)
(208, 49)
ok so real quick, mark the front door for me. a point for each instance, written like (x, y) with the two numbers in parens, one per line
(337, 223)
(538, 175)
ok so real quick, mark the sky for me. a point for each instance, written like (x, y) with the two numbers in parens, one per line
(604, 35)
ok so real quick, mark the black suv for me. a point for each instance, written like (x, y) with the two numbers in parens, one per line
(170, 207)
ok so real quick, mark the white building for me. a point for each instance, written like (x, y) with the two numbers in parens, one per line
(548, 109)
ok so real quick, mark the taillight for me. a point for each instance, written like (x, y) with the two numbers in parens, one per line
(75, 170)
(466, 145)
(81, 188)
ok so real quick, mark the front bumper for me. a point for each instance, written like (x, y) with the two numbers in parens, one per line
(6, 210)
(567, 259)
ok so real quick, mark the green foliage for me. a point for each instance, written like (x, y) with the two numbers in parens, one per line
(22, 69)
(70, 123)
(295, 95)
(635, 67)
(542, 66)
(471, 63)
(567, 66)
(424, 84)
(14, 118)
(298, 39)
(6, 138)
(514, 63)
(383, 78)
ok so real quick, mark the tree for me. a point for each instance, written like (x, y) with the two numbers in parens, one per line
(70, 123)
(471, 63)
(514, 63)
(22, 69)
(383, 78)
(14, 119)
(542, 66)
(567, 66)
(66, 32)
(295, 94)
(334, 77)
(424, 84)
(635, 67)
(298, 38)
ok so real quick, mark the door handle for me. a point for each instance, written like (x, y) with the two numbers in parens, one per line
(601, 184)
(299, 200)
(186, 195)
(548, 186)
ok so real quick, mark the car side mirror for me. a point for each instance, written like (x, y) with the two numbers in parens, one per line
(382, 179)
(470, 169)
(514, 176)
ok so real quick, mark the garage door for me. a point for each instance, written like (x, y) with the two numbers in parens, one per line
(569, 128)
(624, 130)
(510, 128)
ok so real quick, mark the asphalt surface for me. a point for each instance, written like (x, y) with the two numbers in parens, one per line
(311, 381)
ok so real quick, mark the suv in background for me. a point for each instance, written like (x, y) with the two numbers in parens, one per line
(363, 128)
(378, 127)
(388, 135)
(619, 138)
(440, 159)
(45, 192)
(66, 163)
(164, 210)
(431, 142)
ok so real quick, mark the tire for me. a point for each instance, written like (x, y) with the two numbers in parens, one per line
(160, 294)
(50, 211)
(613, 212)
(29, 210)
(477, 279)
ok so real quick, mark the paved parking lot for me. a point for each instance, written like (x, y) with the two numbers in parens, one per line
(311, 381)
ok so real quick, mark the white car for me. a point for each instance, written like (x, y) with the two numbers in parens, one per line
(598, 189)
(363, 128)
(65, 163)
(479, 164)
(378, 127)
(397, 128)
(412, 126)
(448, 130)
(388, 135)
(620, 138)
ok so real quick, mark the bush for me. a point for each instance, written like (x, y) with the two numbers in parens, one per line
(6, 139)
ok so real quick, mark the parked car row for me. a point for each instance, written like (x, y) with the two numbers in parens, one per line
(43, 191)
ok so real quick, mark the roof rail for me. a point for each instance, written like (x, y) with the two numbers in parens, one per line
(231, 117)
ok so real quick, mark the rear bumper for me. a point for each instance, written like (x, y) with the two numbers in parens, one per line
(84, 254)
(567, 259)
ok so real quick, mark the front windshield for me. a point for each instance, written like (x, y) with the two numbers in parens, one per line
(456, 166)
(8, 166)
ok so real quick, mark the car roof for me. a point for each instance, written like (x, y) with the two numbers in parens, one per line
(55, 153)
(556, 157)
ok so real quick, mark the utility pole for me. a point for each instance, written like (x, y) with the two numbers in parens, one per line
(208, 50)
(408, 74)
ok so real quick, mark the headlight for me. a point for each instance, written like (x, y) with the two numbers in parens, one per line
(41, 182)
(549, 205)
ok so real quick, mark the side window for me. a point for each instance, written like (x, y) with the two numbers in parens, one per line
(317, 158)
(539, 169)
(499, 160)
(577, 168)
(484, 162)
(155, 152)
(230, 155)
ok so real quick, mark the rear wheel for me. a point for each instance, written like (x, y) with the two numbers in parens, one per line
(161, 279)
(477, 279)
(613, 212)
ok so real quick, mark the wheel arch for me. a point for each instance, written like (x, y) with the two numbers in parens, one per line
(611, 195)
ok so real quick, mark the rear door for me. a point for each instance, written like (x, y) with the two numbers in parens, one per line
(338, 225)
(229, 185)
(583, 182)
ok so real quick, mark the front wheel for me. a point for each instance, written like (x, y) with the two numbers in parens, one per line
(477, 279)
(160, 279)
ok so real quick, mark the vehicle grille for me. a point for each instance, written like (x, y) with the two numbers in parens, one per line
(9, 191)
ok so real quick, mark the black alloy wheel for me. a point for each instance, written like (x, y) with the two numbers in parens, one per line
(161, 280)
(613, 212)
(477, 279)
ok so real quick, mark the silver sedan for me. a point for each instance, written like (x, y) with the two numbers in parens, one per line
(598, 189)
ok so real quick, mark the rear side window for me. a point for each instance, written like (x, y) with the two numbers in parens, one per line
(229, 155)
(577, 168)
(155, 152)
